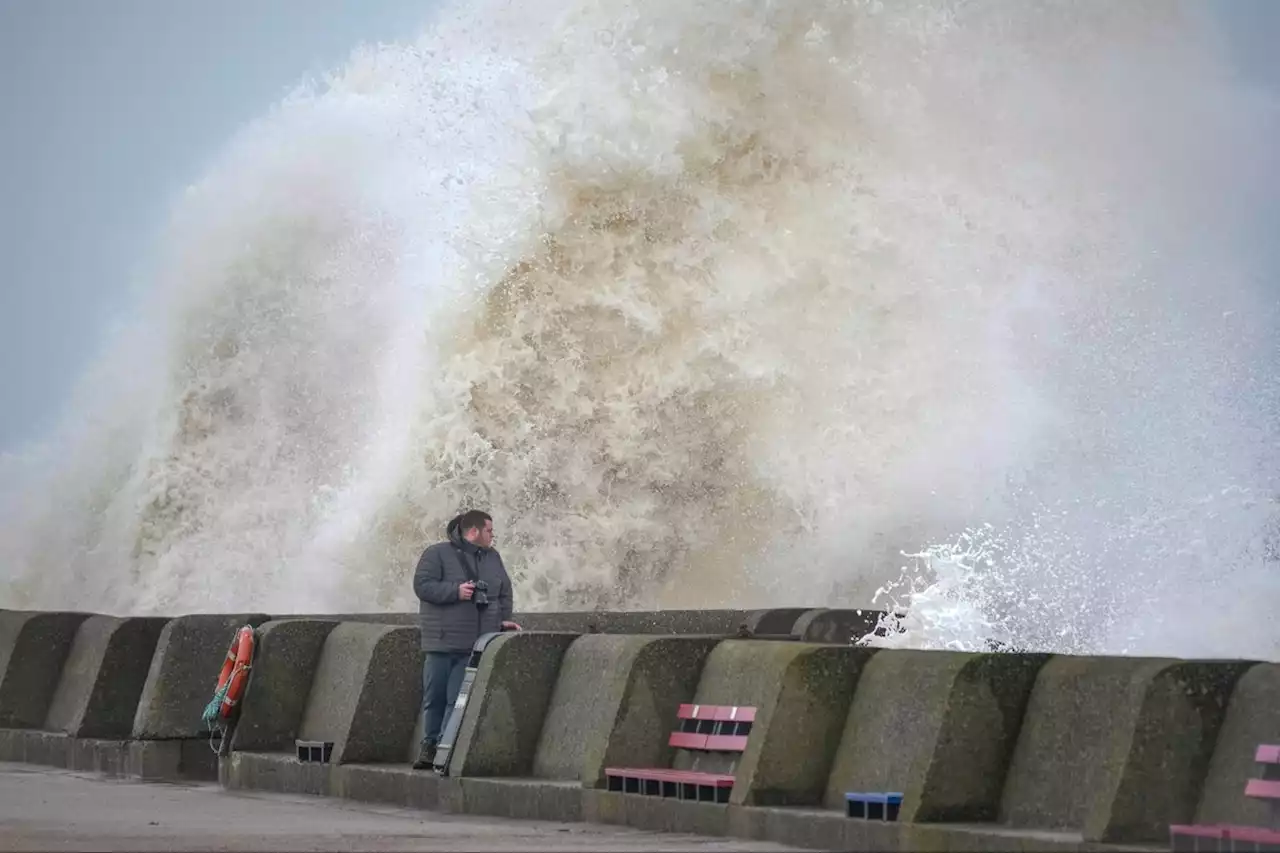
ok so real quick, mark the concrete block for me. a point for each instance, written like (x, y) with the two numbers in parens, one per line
(395, 785)
(10, 747)
(711, 622)
(607, 807)
(841, 627)
(795, 827)
(654, 813)
(509, 700)
(614, 703)
(100, 685)
(938, 726)
(987, 838)
(167, 760)
(184, 674)
(33, 649)
(32, 746)
(449, 797)
(407, 619)
(802, 694)
(275, 699)
(681, 622)
(1253, 718)
(1117, 748)
(91, 755)
(659, 815)
(523, 799)
(278, 773)
(777, 622)
(366, 693)
(581, 622)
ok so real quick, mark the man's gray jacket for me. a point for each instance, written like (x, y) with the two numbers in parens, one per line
(447, 623)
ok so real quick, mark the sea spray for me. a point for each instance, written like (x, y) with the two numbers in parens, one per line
(1035, 587)
(710, 304)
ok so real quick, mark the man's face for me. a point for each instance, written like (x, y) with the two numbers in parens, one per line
(482, 536)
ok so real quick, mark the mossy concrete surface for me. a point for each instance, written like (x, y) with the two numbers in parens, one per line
(278, 773)
(615, 703)
(167, 760)
(802, 694)
(774, 622)
(33, 648)
(1253, 718)
(938, 726)
(406, 619)
(184, 674)
(522, 799)
(103, 677)
(1116, 748)
(275, 699)
(719, 622)
(508, 704)
(365, 693)
(841, 627)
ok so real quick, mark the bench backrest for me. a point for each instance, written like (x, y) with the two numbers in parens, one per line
(711, 738)
(1268, 786)
(713, 728)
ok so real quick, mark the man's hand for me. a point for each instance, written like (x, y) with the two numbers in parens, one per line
(511, 626)
(466, 590)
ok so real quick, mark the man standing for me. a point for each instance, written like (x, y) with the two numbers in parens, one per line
(463, 591)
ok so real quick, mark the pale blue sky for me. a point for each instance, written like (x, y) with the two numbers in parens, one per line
(109, 109)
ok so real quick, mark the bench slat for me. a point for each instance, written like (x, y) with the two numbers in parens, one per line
(877, 797)
(1223, 832)
(1268, 754)
(716, 712)
(689, 777)
(1198, 830)
(735, 714)
(726, 743)
(1255, 834)
(688, 740)
(1263, 789)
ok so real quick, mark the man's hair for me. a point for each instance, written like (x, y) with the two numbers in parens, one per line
(473, 519)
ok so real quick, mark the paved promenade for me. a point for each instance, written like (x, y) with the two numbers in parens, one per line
(47, 810)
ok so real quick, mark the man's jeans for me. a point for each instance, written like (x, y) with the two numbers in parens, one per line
(442, 674)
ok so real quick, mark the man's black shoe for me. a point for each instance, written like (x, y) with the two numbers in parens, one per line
(426, 756)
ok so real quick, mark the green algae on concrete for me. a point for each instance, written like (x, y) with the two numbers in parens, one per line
(184, 674)
(834, 626)
(508, 703)
(775, 622)
(275, 699)
(938, 726)
(1253, 718)
(801, 693)
(366, 692)
(722, 622)
(102, 680)
(615, 703)
(33, 648)
(1116, 748)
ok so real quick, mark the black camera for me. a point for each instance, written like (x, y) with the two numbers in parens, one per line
(481, 595)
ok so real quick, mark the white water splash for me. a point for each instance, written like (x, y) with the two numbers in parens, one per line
(1154, 585)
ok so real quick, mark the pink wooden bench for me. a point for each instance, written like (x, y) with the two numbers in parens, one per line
(1222, 838)
(707, 731)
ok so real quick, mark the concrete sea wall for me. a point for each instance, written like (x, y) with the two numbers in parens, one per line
(996, 751)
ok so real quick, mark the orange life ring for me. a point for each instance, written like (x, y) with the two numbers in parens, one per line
(235, 669)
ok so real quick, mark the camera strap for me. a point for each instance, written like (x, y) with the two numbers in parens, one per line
(472, 571)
